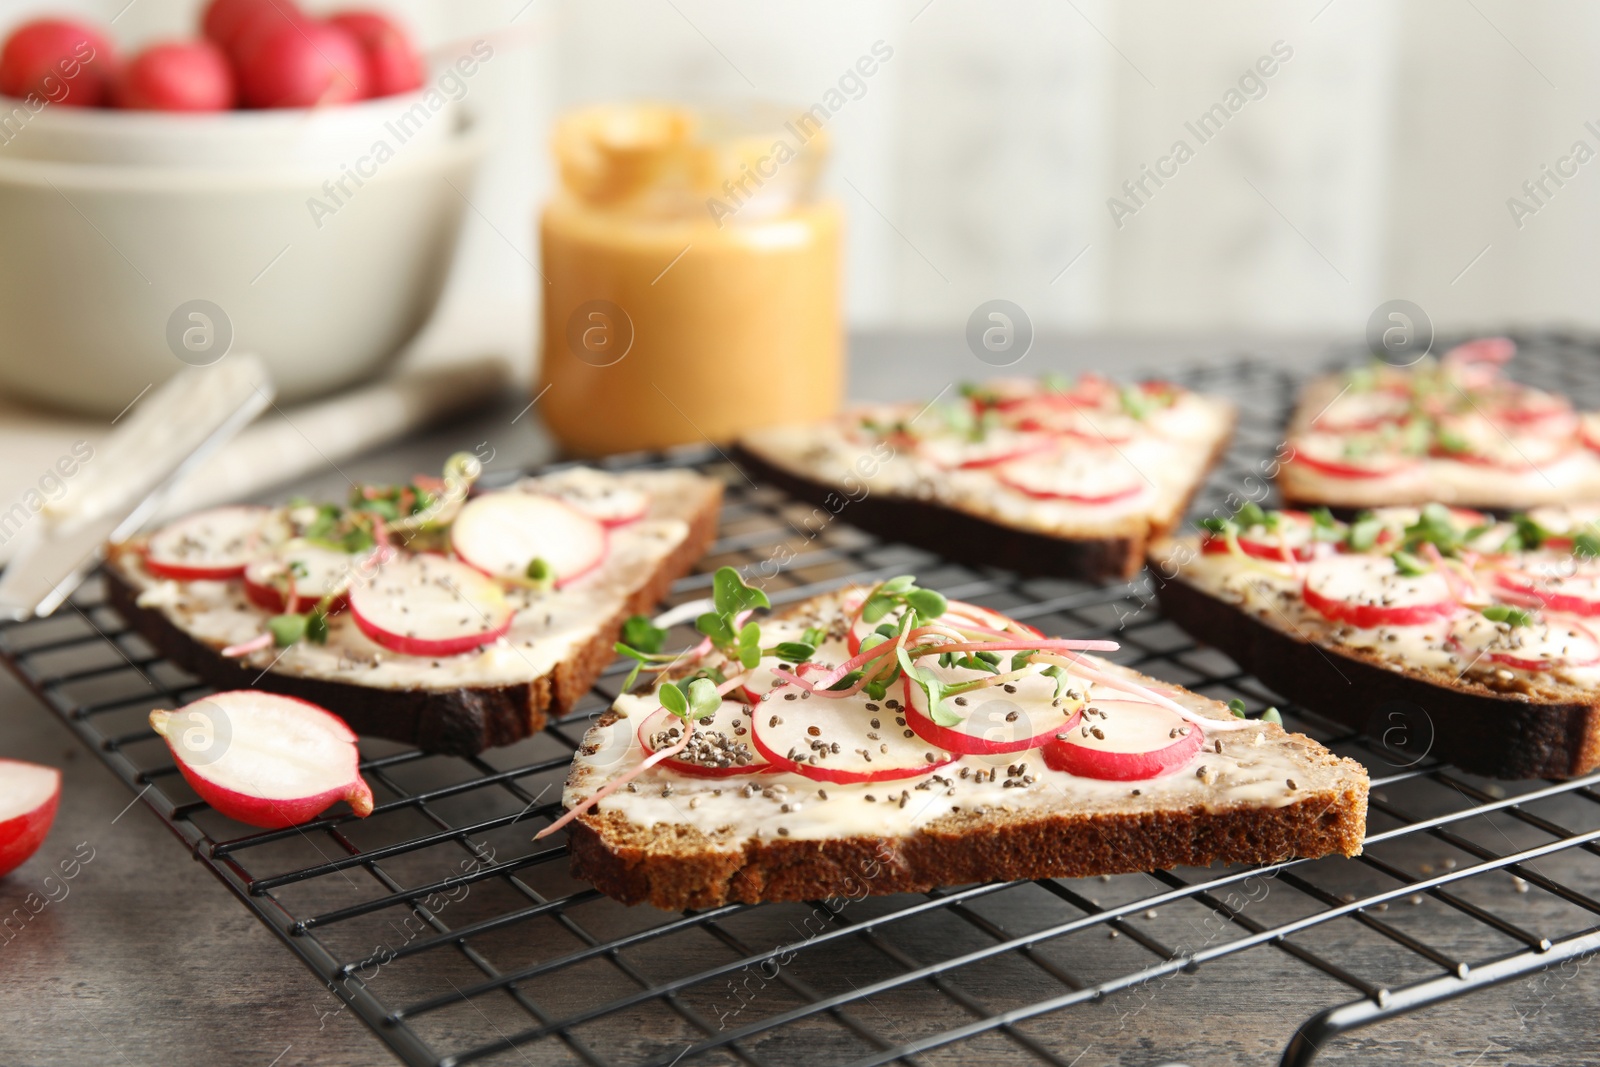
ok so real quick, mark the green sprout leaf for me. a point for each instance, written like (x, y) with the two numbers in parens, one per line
(1272, 715)
(642, 634)
(750, 646)
(927, 603)
(704, 699)
(1507, 614)
(673, 700)
(731, 595)
(798, 651)
(1586, 545)
(286, 629)
(1237, 707)
(1410, 565)
(1363, 534)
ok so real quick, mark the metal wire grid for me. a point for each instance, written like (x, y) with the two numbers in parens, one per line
(456, 940)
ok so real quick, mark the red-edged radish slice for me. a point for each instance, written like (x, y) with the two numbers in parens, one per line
(1294, 538)
(428, 605)
(1328, 453)
(1565, 521)
(1560, 585)
(1493, 351)
(316, 571)
(265, 760)
(761, 680)
(958, 614)
(1541, 645)
(994, 721)
(1083, 475)
(720, 747)
(609, 505)
(1367, 410)
(1589, 430)
(1494, 445)
(29, 797)
(1125, 741)
(834, 740)
(214, 545)
(1369, 591)
(998, 446)
(502, 533)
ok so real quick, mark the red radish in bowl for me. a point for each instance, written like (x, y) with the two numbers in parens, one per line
(720, 748)
(501, 534)
(301, 64)
(427, 605)
(29, 796)
(177, 76)
(265, 760)
(1369, 591)
(215, 544)
(994, 721)
(67, 63)
(842, 740)
(1124, 741)
(227, 22)
(392, 62)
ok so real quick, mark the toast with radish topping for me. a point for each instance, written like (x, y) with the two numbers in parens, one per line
(888, 740)
(1440, 630)
(423, 613)
(1047, 476)
(1452, 431)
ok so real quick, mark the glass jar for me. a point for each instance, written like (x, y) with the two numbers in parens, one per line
(691, 277)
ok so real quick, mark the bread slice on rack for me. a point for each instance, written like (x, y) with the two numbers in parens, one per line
(795, 787)
(447, 656)
(1044, 476)
(1452, 431)
(1441, 632)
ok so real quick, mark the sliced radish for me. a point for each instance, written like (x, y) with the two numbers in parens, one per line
(1541, 645)
(315, 571)
(1491, 352)
(958, 613)
(426, 605)
(995, 720)
(1332, 454)
(762, 680)
(265, 760)
(29, 797)
(1560, 585)
(216, 544)
(609, 505)
(1124, 741)
(843, 740)
(1492, 444)
(502, 533)
(1363, 411)
(1294, 538)
(720, 747)
(1368, 591)
(1084, 475)
(998, 446)
(1589, 430)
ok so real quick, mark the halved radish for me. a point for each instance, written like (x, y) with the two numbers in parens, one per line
(1086, 475)
(427, 605)
(1294, 538)
(720, 747)
(217, 544)
(29, 797)
(1340, 456)
(1540, 645)
(1124, 741)
(315, 571)
(1363, 411)
(998, 446)
(609, 505)
(958, 613)
(1475, 438)
(265, 760)
(1019, 717)
(847, 739)
(502, 533)
(1367, 591)
(1560, 585)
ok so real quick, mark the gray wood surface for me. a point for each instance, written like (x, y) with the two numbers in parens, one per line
(143, 958)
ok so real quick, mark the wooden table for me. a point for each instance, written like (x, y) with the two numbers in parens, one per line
(143, 958)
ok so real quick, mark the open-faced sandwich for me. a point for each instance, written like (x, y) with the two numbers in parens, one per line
(1047, 476)
(1442, 630)
(419, 612)
(887, 740)
(1453, 431)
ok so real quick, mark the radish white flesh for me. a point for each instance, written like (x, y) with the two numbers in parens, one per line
(1079, 475)
(316, 571)
(1368, 591)
(997, 446)
(846, 745)
(959, 614)
(1560, 585)
(29, 796)
(609, 505)
(502, 533)
(427, 605)
(1363, 411)
(265, 760)
(994, 721)
(1331, 454)
(215, 544)
(1124, 741)
(1541, 645)
(720, 747)
(1494, 444)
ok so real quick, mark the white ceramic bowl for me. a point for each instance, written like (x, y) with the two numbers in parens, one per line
(318, 136)
(96, 260)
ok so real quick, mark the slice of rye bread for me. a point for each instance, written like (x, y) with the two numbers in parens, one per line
(1528, 733)
(457, 719)
(1116, 827)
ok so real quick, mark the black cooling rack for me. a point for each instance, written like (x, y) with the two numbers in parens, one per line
(457, 940)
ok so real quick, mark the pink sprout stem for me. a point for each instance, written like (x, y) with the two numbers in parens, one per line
(255, 644)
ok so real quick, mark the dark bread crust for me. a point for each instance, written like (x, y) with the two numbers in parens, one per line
(460, 721)
(967, 538)
(675, 867)
(1479, 729)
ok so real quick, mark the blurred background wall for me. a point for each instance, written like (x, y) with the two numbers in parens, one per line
(1378, 159)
